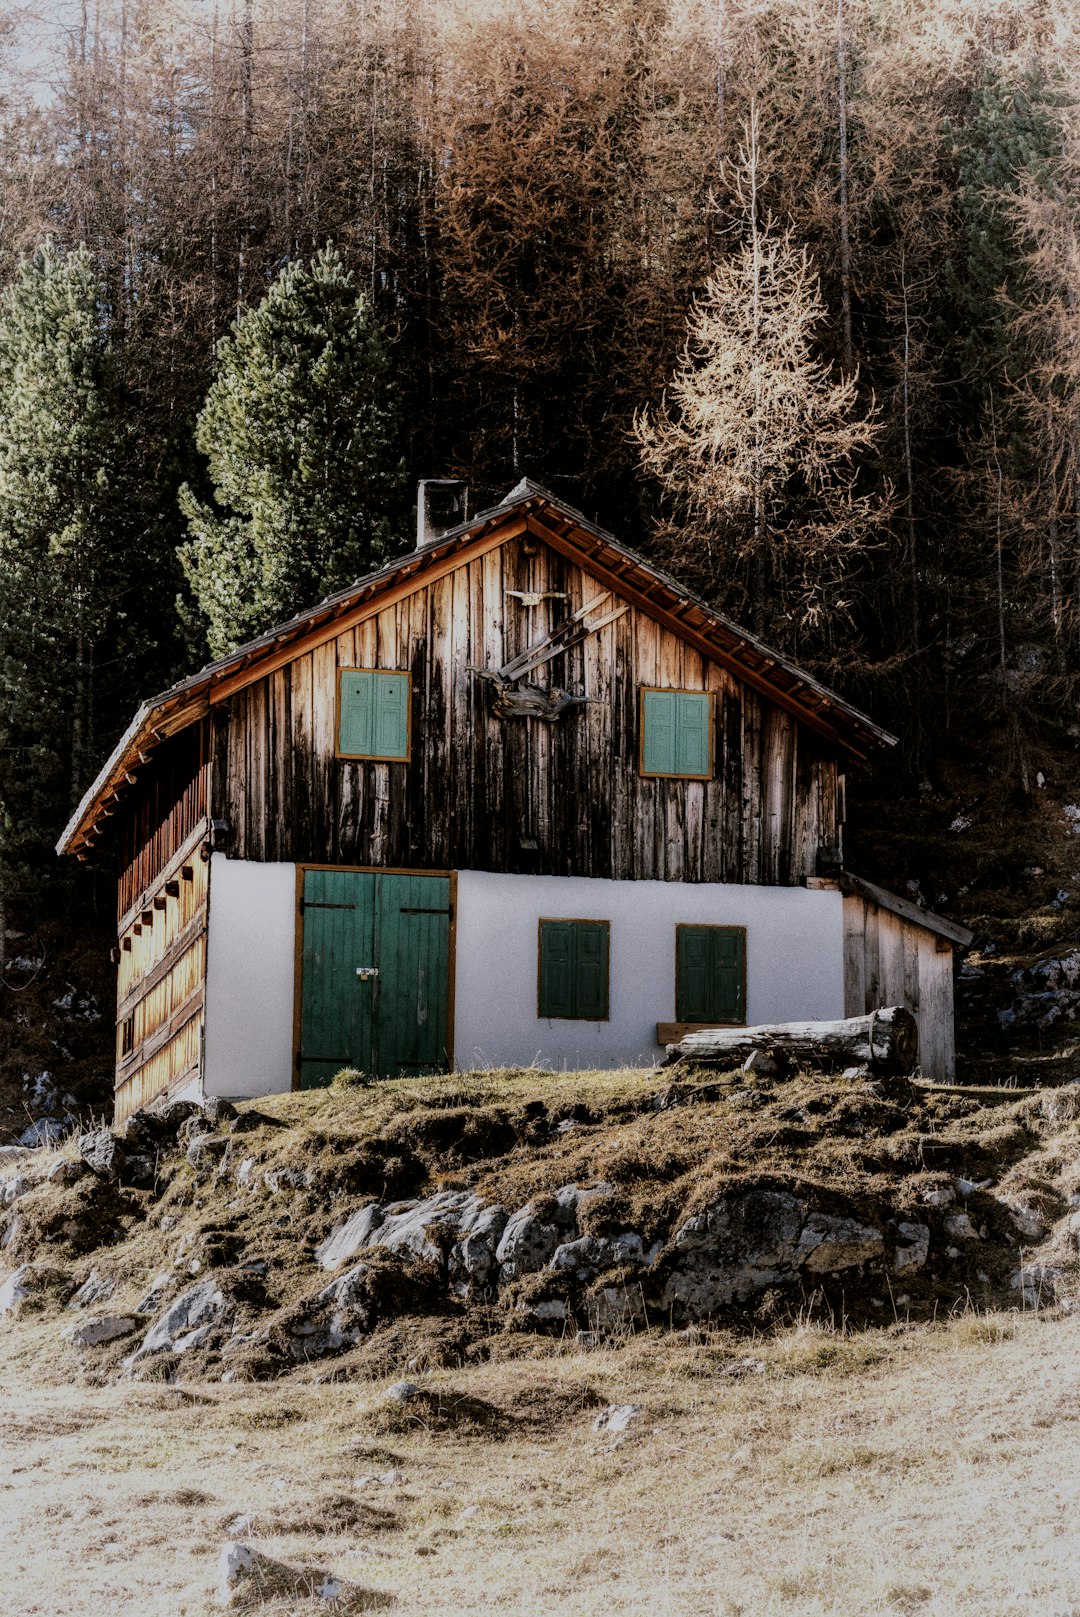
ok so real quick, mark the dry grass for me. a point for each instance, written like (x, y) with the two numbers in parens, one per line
(930, 1470)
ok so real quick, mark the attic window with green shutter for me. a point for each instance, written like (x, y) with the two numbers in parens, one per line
(573, 970)
(373, 714)
(710, 974)
(677, 733)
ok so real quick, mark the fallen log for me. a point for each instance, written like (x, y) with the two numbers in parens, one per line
(886, 1041)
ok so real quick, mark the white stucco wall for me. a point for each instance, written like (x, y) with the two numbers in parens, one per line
(794, 967)
(794, 962)
(251, 942)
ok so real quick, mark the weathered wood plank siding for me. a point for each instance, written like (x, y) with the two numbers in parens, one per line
(168, 800)
(889, 960)
(161, 980)
(510, 794)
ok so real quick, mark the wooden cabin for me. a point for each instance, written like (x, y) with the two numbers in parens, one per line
(516, 797)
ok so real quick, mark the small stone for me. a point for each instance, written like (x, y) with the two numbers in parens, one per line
(938, 1196)
(216, 1109)
(616, 1417)
(95, 1332)
(45, 1131)
(245, 1171)
(1038, 1283)
(403, 1392)
(16, 1290)
(204, 1150)
(237, 1564)
(762, 1064)
(11, 1189)
(960, 1227)
(65, 1172)
(968, 1187)
(912, 1247)
(1026, 1221)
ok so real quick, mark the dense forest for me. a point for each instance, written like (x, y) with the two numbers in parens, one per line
(784, 292)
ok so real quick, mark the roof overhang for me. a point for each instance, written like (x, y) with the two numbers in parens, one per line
(527, 508)
(868, 890)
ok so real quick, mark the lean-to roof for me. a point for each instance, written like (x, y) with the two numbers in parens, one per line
(527, 508)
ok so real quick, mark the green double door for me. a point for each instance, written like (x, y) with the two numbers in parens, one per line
(375, 980)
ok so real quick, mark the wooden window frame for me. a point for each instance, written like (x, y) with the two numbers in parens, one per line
(571, 920)
(375, 757)
(674, 690)
(709, 926)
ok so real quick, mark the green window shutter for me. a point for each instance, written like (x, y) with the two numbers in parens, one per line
(658, 744)
(592, 971)
(392, 715)
(556, 968)
(373, 716)
(356, 728)
(710, 964)
(574, 970)
(693, 712)
(676, 733)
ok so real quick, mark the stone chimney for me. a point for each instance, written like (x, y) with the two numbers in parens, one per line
(442, 503)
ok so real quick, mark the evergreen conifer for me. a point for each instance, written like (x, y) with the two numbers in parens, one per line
(300, 431)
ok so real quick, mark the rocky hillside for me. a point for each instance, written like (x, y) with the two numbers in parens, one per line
(360, 1231)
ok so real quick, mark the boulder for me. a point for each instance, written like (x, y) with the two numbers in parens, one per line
(589, 1254)
(732, 1249)
(246, 1577)
(11, 1189)
(96, 1332)
(102, 1152)
(94, 1289)
(535, 1232)
(469, 1231)
(202, 1305)
(827, 1243)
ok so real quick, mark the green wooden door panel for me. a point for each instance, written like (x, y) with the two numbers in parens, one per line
(336, 1006)
(391, 1023)
(413, 932)
(710, 974)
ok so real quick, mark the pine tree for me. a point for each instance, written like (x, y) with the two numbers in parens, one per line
(300, 431)
(755, 446)
(67, 521)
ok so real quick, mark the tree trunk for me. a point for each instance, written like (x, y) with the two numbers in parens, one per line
(887, 1040)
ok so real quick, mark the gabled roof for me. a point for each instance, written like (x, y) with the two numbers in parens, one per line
(528, 507)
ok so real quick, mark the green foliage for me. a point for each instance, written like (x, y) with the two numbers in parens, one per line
(66, 530)
(301, 434)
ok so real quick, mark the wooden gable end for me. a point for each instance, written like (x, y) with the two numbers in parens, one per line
(485, 792)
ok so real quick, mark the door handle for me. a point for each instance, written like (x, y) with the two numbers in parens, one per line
(365, 973)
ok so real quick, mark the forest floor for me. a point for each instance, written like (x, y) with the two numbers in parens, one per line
(926, 1470)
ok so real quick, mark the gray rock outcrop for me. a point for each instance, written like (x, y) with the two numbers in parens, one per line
(187, 1322)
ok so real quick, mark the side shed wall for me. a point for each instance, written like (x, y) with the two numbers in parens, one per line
(889, 960)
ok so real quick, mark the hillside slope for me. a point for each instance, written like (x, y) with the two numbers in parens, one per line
(358, 1230)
